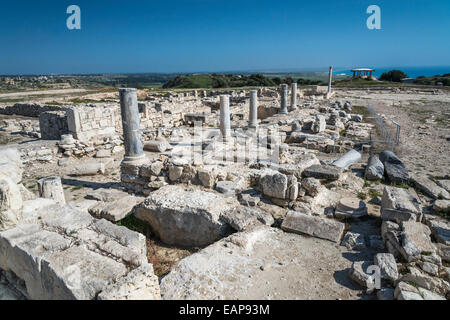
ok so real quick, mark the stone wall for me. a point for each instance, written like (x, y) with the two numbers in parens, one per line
(53, 124)
(93, 123)
(28, 110)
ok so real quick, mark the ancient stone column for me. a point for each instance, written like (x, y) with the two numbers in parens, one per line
(253, 116)
(225, 126)
(134, 153)
(51, 188)
(284, 97)
(293, 94)
(330, 76)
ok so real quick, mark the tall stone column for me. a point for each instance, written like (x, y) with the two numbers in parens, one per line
(225, 126)
(284, 97)
(294, 94)
(134, 152)
(253, 115)
(330, 76)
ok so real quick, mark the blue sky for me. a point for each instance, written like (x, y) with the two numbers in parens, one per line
(220, 35)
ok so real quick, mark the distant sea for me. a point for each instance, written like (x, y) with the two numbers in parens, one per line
(412, 72)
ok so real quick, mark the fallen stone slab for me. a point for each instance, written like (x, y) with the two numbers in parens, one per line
(274, 184)
(261, 263)
(347, 159)
(186, 217)
(441, 230)
(374, 169)
(419, 234)
(404, 288)
(394, 168)
(103, 153)
(105, 195)
(115, 210)
(398, 204)
(358, 274)
(327, 172)
(388, 266)
(443, 184)
(61, 253)
(429, 295)
(442, 206)
(227, 187)
(323, 228)
(423, 280)
(430, 188)
(242, 218)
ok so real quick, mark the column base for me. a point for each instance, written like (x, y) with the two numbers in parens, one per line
(282, 112)
(134, 160)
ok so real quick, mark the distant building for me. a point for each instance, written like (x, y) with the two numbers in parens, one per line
(362, 72)
(407, 80)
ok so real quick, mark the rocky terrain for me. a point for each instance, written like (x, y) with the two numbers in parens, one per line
(290, 195)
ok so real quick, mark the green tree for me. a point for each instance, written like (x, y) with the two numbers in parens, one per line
(393, 76)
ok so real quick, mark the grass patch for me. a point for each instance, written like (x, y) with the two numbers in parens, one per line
(77, 188)
(133, 223)
(374, 193)
(362, 195)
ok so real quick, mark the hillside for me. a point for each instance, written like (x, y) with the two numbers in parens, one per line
(217, 81)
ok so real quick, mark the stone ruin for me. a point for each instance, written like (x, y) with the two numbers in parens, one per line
(244, 188)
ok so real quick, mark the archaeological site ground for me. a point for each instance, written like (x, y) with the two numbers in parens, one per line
(224, 158)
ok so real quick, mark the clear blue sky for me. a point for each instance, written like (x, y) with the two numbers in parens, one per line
(220, 35)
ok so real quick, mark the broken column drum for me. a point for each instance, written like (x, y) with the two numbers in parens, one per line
(284, 97)
(253, 116)
(51, 188)
(293, 94)
(225, 126)
(134, 152)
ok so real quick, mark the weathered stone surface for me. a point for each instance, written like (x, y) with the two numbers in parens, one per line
(155, 146)
(443, 251)
(350, 208)
(105, 195)
(258, 264)
(226, 187)
(428, 267)
(139, 284)
(388, 266)
(114, 210)
(89, 169)
(242, 218)
(426, 281)
(51, 188)
(430, 188)
(358, 274)
(63, 253)
(298, 222)
(103, 153)
(407, 295)
(444, 184)
(312, 186)
(353, 241)
(442, 206)
(398, 205)
(419, 234)
(429, 295)
(186, 217)
(323, 172)
(274, 184)
(394, 168)
(319, 124)
(347, 159)
(175, 173)
(440, 229)
(206, 178)
(403, 287)
(374, 169)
